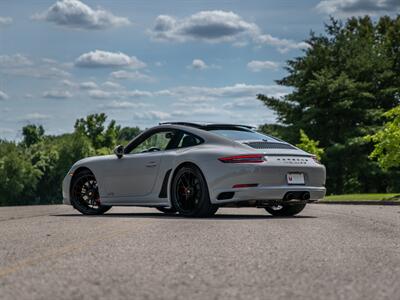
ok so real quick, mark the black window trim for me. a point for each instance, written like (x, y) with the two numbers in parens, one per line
(146, 134)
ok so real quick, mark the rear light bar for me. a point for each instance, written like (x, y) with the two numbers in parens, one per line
(247, 158)
(244, 185)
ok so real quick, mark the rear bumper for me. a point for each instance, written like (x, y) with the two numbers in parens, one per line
(268, 193)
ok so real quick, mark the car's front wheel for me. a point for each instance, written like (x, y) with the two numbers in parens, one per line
(190, 194)
(85, 194)
(285, 210)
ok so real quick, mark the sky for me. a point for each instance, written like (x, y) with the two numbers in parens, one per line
(144, 62)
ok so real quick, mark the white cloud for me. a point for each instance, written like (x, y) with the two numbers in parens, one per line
(198, 64)
(195, 98)
(237, 102)
(35, 117)
(121, 105)
(137, 94)
(136, 76)
(164, 93)
(67, 83)
(15, 60)
(151, 115)
(112, 85)
(188, 111)
(6, 130)
(239, 90)
(244, 104)
(358, 7)
(208, 102)
(57, 94)
(88, 85)
(283, 45)
(3, 95)
(216, 26)
(20, 65)
(99, 94)
(38, 72)
(213, 25)
(195, 94)
(123, 94)
(5, 21)
(105, 59)
(195, 109)
(49, 61)
(77, 15)
(259, 65)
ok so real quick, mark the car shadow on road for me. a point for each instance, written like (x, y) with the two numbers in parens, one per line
(177, 217)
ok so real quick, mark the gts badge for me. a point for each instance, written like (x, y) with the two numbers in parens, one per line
(294, 161)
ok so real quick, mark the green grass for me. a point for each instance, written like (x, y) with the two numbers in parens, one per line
(363, 197)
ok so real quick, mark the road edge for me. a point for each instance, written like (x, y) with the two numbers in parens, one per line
(393, 203)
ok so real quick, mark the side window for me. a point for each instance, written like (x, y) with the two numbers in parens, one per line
(158, 141)
(188, 140)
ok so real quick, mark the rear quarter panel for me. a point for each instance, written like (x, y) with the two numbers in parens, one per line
(222, 176)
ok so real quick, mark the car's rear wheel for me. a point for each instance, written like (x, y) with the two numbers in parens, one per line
(85, 194)
(285, 210)
(190, 194)
(165, 210)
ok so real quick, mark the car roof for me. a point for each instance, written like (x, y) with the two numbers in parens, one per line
(206, 125)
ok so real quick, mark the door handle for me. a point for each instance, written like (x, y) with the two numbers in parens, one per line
(151, 164)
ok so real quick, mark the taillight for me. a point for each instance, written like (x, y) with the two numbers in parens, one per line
(247, 158)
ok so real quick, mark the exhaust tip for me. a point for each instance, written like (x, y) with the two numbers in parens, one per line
(289, 196)
(305, 196)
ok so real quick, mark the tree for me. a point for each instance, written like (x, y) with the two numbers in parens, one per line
(103, 139)
(340, 87)
(18, 178)
(126, 134)
(309, 145)
(387, 141)
(32, 134)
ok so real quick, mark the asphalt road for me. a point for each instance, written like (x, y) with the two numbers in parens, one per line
(328, 252)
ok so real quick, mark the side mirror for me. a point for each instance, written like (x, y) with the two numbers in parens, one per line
(119, 151)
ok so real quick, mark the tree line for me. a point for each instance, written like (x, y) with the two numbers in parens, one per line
(31, 171)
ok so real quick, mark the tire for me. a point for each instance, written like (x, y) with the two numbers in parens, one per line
(190, 195)
(285, 210)
(85, 194)
(169, 211)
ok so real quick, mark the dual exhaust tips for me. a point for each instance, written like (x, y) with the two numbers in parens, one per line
(297, 196)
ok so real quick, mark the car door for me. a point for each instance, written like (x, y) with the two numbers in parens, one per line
(134, 174)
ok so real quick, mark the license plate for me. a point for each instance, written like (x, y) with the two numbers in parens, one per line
(295, 178)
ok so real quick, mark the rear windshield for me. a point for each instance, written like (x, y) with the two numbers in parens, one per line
(243, 135)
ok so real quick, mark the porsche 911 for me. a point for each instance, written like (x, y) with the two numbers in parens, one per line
(193, 169)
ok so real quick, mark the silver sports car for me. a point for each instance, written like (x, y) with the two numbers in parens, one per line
(193, 169)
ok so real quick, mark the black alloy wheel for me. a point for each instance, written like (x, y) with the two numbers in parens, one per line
(190, 194)
(85, 194)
